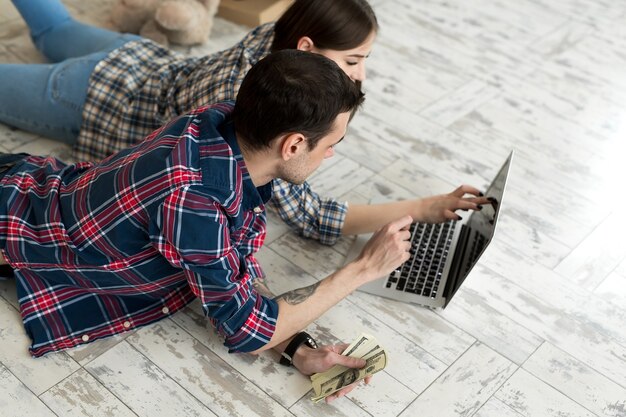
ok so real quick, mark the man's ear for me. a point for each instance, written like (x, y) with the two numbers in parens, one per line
(293, 144)
(305, 44)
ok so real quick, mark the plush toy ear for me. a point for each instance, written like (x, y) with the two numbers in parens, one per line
(185, 22)
(130, 15)
(152, 31)
(177, 15)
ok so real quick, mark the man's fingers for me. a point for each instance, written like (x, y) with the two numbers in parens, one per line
(345, 391)
(400, 224)
(349, 361)
(341, 347)
(342, 392)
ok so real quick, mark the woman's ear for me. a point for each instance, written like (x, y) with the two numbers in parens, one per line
(305, 44)
(292, 146)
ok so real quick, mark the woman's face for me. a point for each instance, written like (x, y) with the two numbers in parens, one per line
(352, 61)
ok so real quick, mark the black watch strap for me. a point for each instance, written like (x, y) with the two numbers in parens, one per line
(298, 340)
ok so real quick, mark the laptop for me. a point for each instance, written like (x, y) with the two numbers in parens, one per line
(442, 255)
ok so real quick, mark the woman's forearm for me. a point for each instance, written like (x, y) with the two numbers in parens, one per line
(367, 218)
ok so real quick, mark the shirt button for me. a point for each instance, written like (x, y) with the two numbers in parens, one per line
(257, 210)
(127, 324)
(165, 310)
(85, 338)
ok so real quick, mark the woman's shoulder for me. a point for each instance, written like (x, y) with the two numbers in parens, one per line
(259, 35)
(252, 47)
(143, 50)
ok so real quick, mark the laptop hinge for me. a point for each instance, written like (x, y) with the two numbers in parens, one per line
(457, 264)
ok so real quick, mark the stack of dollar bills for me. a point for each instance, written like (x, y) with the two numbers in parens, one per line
(338, 377)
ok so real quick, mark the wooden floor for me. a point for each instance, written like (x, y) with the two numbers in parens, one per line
(538, 329)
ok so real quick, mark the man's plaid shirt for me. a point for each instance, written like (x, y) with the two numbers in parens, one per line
(100, 249)
(139, 87)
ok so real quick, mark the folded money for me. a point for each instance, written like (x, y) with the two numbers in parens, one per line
(338, 377)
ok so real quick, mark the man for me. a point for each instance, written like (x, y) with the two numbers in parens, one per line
(99, 249)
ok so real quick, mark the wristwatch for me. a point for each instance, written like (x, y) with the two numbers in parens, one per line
(296, 342)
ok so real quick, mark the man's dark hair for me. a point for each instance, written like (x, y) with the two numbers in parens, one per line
(292, 92)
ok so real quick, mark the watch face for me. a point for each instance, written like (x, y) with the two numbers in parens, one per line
(311, 343)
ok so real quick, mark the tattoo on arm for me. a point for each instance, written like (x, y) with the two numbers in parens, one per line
(299, 295)
(261, 287)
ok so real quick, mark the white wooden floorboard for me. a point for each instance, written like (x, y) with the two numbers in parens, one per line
(142, 386)
(579, 338)
(496, 408)
(613, 289)
(37, 374)
(202, 373)
(346, 408)
(452, 87)
(465, 386)
(533, 398)
(17, 400)
(426, 329)
(471, 311)
(577, 381)
(596, 256)
(81, 395)
(285, 385)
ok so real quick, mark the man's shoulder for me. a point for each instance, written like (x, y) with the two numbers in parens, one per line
(198, 123)
(217, 111)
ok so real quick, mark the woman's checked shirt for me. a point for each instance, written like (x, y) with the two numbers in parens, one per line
(100, 249)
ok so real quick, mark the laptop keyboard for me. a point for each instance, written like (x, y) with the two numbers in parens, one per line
(421, 274)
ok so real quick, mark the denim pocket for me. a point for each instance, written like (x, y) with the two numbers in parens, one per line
(69, 81)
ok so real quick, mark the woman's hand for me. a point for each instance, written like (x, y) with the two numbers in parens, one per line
(441, 208)
(312, 361)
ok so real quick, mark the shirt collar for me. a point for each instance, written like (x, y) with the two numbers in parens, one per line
(252, 196)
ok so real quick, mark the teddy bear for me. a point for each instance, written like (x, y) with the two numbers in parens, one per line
(182, 22)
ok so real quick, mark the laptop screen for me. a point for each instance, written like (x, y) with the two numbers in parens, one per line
(479, 231)
(484, 221)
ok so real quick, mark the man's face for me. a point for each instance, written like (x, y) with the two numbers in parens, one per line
(299, 168)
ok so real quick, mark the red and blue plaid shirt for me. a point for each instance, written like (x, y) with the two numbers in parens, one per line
(100, 249)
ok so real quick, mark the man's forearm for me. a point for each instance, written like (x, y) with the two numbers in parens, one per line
(385, 250)
(299, 308)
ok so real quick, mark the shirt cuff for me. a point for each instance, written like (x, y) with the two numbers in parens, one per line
(332, 216)
(252, 327)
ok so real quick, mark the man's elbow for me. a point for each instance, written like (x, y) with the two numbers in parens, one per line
(261, 349)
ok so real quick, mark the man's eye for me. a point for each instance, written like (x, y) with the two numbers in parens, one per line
(352, 63)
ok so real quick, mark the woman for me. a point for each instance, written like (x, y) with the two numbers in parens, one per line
(107, 91)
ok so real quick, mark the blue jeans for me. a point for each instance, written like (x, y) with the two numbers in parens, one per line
(48, 99)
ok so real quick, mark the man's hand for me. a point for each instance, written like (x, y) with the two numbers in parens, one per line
(441, 208)
(387, 249)
(312, 361)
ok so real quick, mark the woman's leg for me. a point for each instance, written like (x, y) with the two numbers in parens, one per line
(46, 99)
(58, 36)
